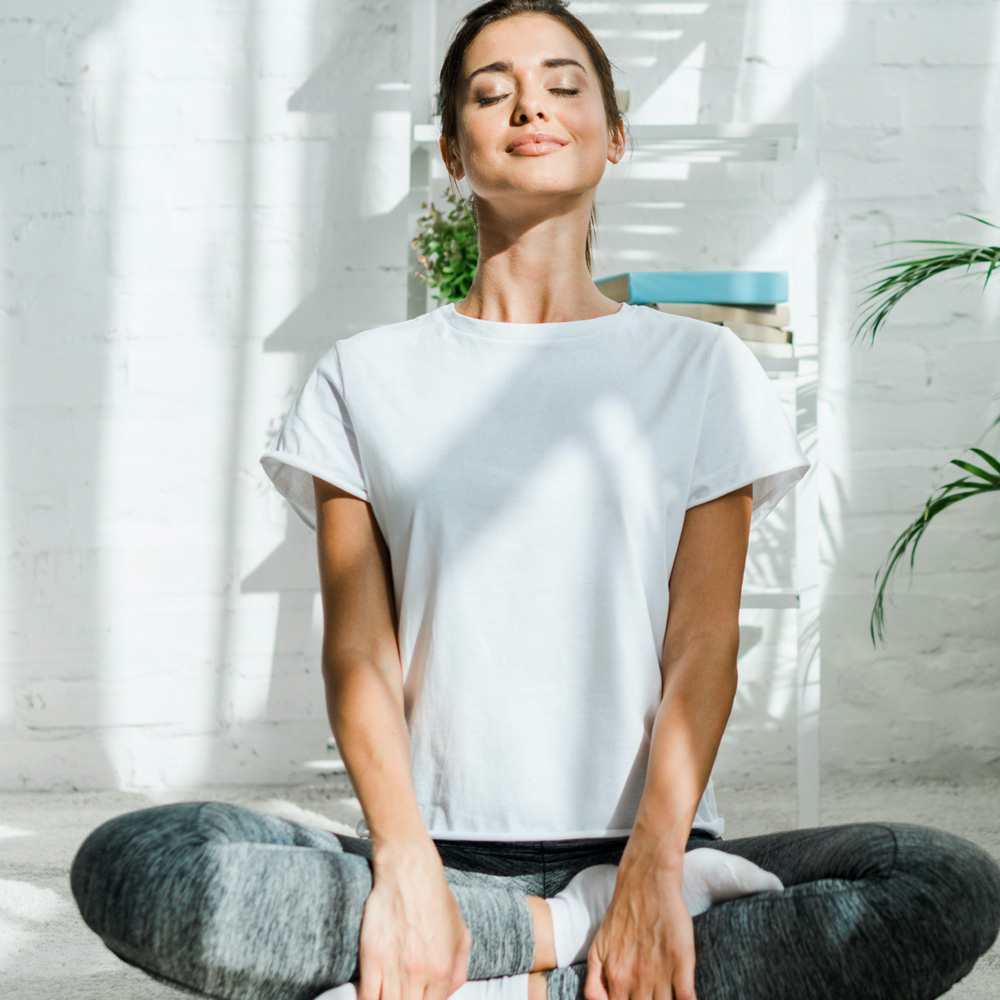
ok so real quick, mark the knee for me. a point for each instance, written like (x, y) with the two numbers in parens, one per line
(161, 854)
(117, 863)
(957, 877)
(95, 867)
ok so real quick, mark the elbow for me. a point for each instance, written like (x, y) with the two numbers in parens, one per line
(714, 656)
(348, 673)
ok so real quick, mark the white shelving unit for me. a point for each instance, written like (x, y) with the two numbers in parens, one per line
(690, 143)
(730, 142)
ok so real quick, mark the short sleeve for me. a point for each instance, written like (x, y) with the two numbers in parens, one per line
(745, 434)
(316, 439)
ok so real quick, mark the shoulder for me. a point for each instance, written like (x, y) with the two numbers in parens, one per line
(675, 325)
(689, 338)
(372, 342)
(386, 337)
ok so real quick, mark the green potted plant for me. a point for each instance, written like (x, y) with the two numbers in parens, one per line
(906, 275)
(449, 249)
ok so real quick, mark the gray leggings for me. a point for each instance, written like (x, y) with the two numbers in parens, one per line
(225, 902)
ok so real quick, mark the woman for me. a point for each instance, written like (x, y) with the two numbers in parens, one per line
(509, 493)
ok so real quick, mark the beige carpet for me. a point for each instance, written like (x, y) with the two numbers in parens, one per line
(47, 953)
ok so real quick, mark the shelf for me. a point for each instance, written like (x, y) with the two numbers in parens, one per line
(716, 143)
(731, 141)
(325, 766)
(328, 765)
(781, 597)
(779, 364)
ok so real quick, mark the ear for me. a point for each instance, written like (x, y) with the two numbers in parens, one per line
(454, 166)
(616, 145)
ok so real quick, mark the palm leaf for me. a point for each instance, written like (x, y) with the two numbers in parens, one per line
(950, 493)
(908, 272)
(905, 274)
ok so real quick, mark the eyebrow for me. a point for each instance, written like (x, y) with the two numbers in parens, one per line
(504, 67)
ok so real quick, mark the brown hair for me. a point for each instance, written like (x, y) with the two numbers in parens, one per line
(450, 78)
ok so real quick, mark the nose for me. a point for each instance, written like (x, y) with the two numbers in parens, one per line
(529, 105)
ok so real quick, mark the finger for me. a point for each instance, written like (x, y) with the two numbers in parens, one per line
(684, 988)
(618, 986)
(683, 981)
(436, 983)
(593, 987)
(461, 967)
(636, 989)
(684, 961)
(370, 984)
(459, 972)
(658, 990)
(411, 986)
(641, 980)
(393, 981)
(440, 985)
(427, 983)
(436, 988)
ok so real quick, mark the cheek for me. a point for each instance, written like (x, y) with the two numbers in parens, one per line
(592, 128)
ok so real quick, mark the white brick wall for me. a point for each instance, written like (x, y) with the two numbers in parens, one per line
(198, 198)
(906, 106)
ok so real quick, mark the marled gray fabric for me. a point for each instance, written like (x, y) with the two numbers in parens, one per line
(870, 911)
(232, 903)
(224, 902)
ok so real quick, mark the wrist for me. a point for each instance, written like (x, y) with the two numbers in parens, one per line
(662, 845)
(405, 852)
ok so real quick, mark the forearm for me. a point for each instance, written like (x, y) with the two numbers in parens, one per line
(695, 706)
(365, 707)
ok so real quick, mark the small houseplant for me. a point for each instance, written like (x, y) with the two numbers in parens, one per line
(980, 478)
(449, 248)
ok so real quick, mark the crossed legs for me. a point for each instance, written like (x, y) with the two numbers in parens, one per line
(233, 904)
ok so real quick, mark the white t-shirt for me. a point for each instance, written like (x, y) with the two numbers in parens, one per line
(530, 481)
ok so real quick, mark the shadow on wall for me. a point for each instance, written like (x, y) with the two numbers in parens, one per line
(365, 174)
(55, 378)
(60, 371)
(711, 40)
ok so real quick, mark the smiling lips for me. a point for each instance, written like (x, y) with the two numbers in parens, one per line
(534, 143)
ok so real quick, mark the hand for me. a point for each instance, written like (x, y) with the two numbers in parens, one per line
(644, 949)
(414, 944)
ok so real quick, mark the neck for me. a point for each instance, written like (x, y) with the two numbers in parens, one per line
(565, 300)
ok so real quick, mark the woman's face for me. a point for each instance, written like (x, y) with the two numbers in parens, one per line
(498, 103)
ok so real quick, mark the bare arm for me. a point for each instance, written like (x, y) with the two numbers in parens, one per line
(647, 938)
(414, 943)
(699, 669)
(361, 667)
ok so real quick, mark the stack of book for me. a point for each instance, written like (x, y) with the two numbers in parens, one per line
(753, 304)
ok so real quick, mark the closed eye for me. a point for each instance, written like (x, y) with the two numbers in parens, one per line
(493, 100)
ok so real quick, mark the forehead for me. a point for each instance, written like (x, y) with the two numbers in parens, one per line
(525, 41)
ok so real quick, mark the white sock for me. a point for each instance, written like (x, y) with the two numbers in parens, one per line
(500, 988)
(346, 992)
(578, 910)
(709, 876)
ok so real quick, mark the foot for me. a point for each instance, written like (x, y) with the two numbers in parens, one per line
(711, 876)
(518, 987)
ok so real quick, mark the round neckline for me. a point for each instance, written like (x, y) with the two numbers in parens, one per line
(532, 331)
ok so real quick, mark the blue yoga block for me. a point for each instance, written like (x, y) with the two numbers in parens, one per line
(758, 288)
